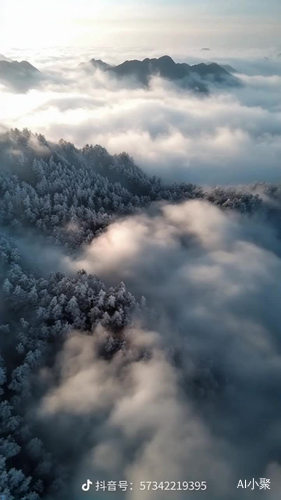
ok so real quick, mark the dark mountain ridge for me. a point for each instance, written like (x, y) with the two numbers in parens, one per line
(196, 77)
(20, 76)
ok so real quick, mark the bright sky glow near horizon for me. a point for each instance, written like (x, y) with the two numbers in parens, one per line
(175, 24)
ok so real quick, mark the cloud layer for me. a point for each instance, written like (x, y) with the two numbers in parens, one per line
(198, 395)
(137, 424)
(229, 137)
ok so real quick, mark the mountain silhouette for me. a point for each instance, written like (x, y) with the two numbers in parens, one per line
(99, 64)
(20, 76)
(196, 76)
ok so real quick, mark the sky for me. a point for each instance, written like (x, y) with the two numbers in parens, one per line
(151, 24)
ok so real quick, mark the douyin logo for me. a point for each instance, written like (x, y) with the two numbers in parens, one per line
(86, 486)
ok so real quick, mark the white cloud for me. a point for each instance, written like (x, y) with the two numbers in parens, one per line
(133, 403)
(227, 137)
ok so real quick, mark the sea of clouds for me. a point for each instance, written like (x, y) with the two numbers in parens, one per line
(194, 392)
(231, 136)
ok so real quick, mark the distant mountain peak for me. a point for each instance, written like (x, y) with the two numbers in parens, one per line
(167, 59)
(196, 77)
(98, 63)
(19, 75)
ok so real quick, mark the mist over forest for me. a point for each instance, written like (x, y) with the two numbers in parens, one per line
(140, 246)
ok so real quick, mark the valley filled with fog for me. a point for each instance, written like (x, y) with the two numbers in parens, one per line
(229, 135)
(140, 244)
